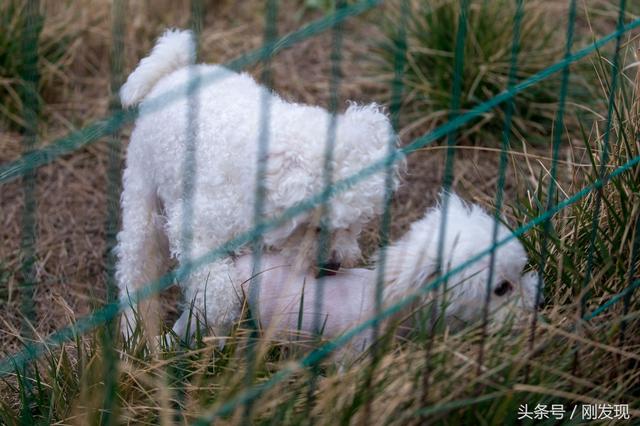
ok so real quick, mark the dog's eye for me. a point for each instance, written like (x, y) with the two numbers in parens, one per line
(503, 288)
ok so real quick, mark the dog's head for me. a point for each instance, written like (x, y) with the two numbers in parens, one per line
(310, 245)
(506, 290)
(470, 274)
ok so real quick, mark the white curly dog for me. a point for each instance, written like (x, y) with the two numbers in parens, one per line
(286, 303)
(192, 164)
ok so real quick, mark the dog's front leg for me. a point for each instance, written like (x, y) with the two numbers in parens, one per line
(212, 303)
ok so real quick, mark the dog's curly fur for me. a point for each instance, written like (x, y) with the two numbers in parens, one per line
(219, 126)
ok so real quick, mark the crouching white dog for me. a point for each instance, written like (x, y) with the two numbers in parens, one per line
(191, 170)
(286, 301)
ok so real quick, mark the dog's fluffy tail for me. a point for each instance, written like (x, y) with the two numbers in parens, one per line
(174, 50)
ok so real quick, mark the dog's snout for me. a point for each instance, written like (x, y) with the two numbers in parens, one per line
(331, 266)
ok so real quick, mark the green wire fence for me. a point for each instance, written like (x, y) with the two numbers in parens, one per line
(109, 127)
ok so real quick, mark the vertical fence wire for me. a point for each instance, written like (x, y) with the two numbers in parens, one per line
(189, 163)
(604, 159)
(558, 130)
(632, 275)
(604, 156)
(29, 233)
(114, 145)
(635, 250)
(270, 34)
(502, 169)
(399, 43)
(177, 372)
(632, 279)
(196, 22)
(395, 105)
(324, 237)
(447, 181)
(30, 110)
(397, 87)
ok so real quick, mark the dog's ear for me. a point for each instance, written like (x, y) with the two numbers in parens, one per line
(528, 289)
(411, 260)
(284, 188)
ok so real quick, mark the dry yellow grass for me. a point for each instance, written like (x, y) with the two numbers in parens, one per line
(70, 255)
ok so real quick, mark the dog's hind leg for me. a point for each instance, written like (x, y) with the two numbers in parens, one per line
(142, 248)
(212, 301)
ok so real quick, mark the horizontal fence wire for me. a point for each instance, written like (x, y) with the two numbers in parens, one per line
(110, 124)
(614, 299)
(106, 126)
(11, 363)
(329, 347)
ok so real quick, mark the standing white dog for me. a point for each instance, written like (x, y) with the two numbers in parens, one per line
(287, 298)
(218, 127)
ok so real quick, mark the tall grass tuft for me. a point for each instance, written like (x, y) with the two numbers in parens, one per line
(572, 256)
(429, 70)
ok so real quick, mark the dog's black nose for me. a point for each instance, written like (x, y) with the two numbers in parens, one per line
(328, 269)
